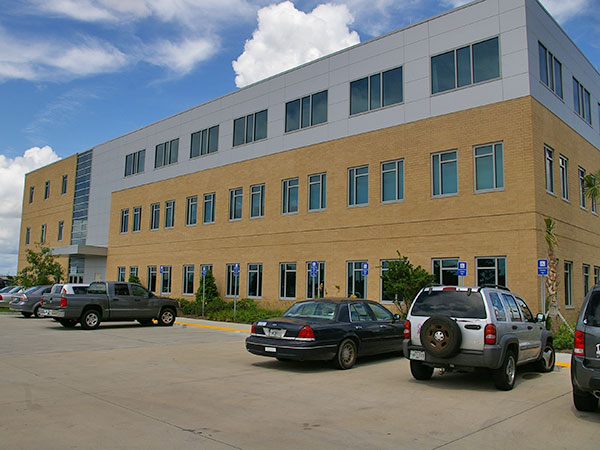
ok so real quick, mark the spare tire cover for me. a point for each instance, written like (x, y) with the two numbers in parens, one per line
(441, 336)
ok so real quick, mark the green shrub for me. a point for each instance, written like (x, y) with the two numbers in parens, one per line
(563, 339)
(210, 288)
(215, 308)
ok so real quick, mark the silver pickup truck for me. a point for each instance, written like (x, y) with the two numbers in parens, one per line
(109, 301)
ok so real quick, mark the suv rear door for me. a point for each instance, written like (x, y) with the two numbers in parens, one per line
(591, 330)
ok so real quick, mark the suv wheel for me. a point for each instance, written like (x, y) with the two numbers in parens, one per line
(420, 371)
(505, 375)
(547, 359)
(584, 401)
(441, 336)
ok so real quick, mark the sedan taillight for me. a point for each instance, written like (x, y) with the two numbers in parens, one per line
(407, 329)
(253, 330)
(490, 334)
(63, 302)
(306, 333)
(579, 343)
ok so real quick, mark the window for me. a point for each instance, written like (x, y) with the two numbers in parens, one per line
(549, 169)
(61, 228)
(489, 167)
(255, 280)
(169, 213)
(444, 173)
(582, 201)
(208, 268)
(499, 309)
(205, 142)
(582, 101)
(596, 275)
(368, 93)
(315, 286)
(152, 278)
(445, 271)
(564, 177)
(191, 210)
(135, 162)
(43, 234)
(63, 189)
(27, 235)
(137, 219)
(154, 216)
(594, 205)
(290, 196)
(491, 271)
(306, 111)
(165, 287)
(515, 312)
(465, 66)
(188, 279)
(568, 283)
(235, 204)
(356, 282)
(209, 208)
(124, 220)
(166, 153)
(386, 295)
(381, 314)
(359, 312)
(133, 271)
(31, 192)
(585, 269)
(233, 282)
(317, 192)
(121, 273)
(47, 190)
(358, 186)
(257, 201)
(392, 181)
(287, 281)
(550, 71)
(250, 128)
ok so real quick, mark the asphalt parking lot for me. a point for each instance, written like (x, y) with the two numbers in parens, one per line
(124, 386)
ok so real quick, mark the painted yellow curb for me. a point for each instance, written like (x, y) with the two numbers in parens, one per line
(563, 364)
(210, 326)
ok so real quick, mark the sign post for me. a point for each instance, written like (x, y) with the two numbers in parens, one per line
(203, 287)
(462, 272)
(542, 269)
(314, 267)
(236, 274)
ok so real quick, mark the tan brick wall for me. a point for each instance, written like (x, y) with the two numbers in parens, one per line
(48, 211)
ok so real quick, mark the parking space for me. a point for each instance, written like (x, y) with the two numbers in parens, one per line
(127, 386)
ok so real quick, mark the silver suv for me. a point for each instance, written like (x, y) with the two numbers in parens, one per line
(463, 328)
(585, 360)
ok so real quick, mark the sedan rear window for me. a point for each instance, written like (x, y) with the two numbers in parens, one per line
(592, 313)
(317, 310)
(459, 304)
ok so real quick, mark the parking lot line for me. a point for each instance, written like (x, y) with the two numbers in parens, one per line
(210, 326)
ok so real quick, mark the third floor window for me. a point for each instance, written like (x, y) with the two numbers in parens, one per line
(306, 111)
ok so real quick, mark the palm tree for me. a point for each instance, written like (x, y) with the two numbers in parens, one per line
(552, 277)
(591, 185)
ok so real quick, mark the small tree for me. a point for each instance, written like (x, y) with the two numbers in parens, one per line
(134, 279)
(210, 288)
(42, 269)
(403, 281)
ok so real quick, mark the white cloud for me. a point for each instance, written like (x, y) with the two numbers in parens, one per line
(180, 57)
(12, 182)
(287, 37)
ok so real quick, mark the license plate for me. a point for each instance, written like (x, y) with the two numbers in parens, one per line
(417, 355)
(270, 349)
(276, 333)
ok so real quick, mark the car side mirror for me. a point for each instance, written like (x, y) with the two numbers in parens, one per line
(396, 317)
(540, 318)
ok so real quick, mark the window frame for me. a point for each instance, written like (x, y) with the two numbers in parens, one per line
(43, 234)
(322, 187)
(257, 191)
(64, 185)
(398, 180)
(550, 79)
(61, 229)
(370, 79)
(166, 275)
(169, 214)
(191, 211)
(285, 268)
(169, 151)
(188, 271)
(135, 163)
(154, 216)
(564, 177)
(582, 199)
(250, 123)
(255, 272)
(47, 190)
(549, 169)
(440, 171)
(232, 288)
(124, 221)
(497, 149)
(136, 221)
(496, 268)
(582, 102)
(121, 274)
(234, 195)
(568, 283)
(319, 279)
(307, 101)
(352, 191)
(208, 199)
(448, 269)
(287, 189)
(205, 139)
(356, 268)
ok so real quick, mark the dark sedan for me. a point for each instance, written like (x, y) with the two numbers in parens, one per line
(28, 303)
(328, 329)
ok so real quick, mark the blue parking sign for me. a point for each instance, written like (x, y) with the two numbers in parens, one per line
(203, 271)
(462, 269)
(314, 268)
(236, 269)
(365, 269)
(542, 266)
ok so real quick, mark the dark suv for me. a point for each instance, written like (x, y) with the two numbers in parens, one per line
(585, 361)
(463, 328)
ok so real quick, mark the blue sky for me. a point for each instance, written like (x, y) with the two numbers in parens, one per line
(76, 73)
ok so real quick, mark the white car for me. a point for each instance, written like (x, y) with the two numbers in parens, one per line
(66, 288)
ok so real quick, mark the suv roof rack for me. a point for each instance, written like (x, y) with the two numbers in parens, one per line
(496, 286)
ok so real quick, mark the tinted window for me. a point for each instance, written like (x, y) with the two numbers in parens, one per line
(514, 309)
(450, 303)
(592, 313)
(525, 310)
(80, 290)
(121, 289)
(321, 310)
(380, 312)
(31, 289)
(498, 307)
(139, 291)
(360, 313)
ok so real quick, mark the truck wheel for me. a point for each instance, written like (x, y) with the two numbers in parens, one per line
(67, 323)
(547, 359)
(420, 371)
(506, 374)
(37, 312)
(90, 320)
(25, 314)
(584, 401)
(346, 355)
(440, 336)
(166, 317)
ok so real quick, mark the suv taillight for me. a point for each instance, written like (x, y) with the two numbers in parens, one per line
(63, 302)
(407, 329)
(306, 333)
(490, 334)
(579, 344)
